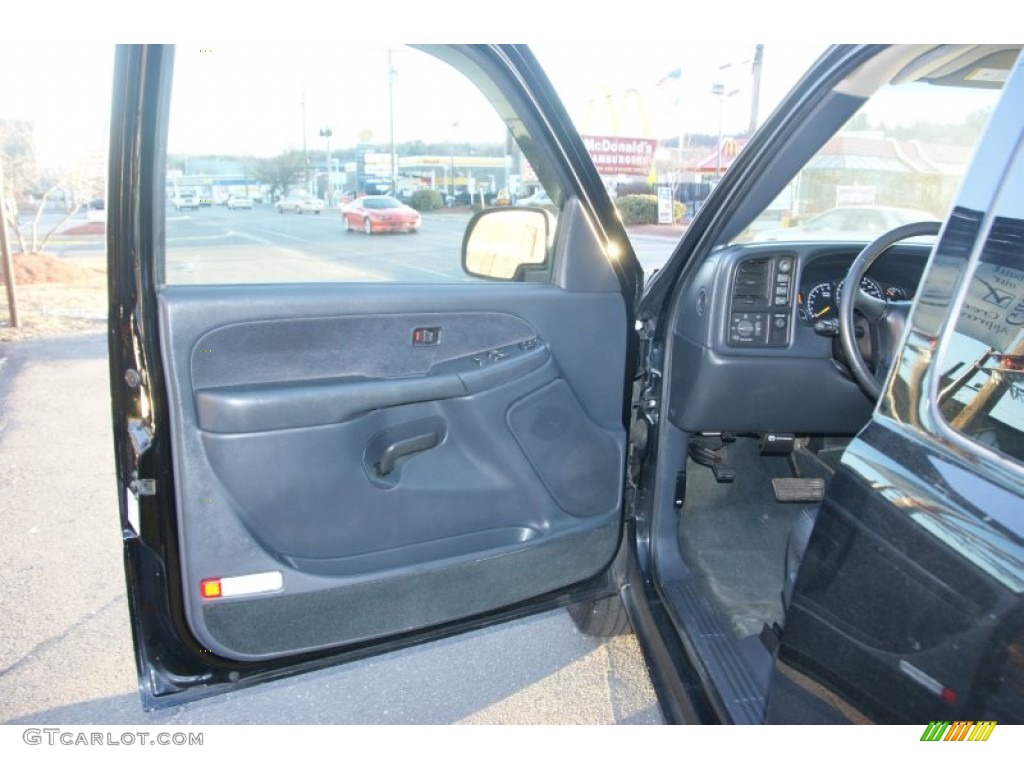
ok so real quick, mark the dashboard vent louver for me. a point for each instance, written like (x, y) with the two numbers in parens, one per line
(752, 279)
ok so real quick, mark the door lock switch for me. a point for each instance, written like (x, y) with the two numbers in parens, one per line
(426, 337)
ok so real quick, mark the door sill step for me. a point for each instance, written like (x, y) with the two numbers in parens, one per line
(739, 670)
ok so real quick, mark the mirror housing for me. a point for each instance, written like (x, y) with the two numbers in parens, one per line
(500, 243)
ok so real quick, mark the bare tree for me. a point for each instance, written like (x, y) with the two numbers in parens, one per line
(37, 244)
(18, 150)
(24, 181)
(280, 172)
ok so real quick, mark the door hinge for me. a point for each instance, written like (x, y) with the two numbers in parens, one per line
(142, 486)
(141, 435)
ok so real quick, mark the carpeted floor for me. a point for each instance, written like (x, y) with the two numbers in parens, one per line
(734, 534)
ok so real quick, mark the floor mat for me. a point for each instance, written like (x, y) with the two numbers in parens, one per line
(734, 535)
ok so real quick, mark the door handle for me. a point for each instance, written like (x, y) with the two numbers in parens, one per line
(389, 458)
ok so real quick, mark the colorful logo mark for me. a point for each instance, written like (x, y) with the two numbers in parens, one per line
(958, 730)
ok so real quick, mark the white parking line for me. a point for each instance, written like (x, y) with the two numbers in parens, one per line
(299, 255)
(184, 238)
(290, 237)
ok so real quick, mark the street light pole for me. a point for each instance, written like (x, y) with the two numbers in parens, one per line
(682, 123)
(392, 74)
(451, 178)
(719, 90)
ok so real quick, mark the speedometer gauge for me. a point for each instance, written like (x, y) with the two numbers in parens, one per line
(819, 304)
(868, 285)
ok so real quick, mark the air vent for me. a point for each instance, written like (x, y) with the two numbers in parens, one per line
(752, 279)
(762, 295)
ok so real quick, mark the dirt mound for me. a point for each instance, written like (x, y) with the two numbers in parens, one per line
(36, 268)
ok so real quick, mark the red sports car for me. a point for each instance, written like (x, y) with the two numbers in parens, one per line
(379, 213)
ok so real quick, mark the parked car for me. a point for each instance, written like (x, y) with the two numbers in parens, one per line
(186, 201)
(538, 198)
(95, 209)
(847, 223)
(238, 201)
(379, 213)
(807, 508)
(300, 203)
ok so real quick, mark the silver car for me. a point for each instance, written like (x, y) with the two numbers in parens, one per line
(300, 204)
(847, 223)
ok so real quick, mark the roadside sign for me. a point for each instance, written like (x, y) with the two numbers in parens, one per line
(665, 205)
(616, 154)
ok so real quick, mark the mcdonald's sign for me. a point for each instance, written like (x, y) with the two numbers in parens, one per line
(618, 154)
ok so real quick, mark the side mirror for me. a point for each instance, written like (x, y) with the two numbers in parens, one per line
(500, 242)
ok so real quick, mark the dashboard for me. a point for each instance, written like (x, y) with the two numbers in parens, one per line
(749, 354)
(822, 282)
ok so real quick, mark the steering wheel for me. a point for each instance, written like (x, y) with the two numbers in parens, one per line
(887, 318)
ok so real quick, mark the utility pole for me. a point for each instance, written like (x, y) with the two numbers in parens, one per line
(305, 153)
(755, 71)
(5, 255)
(329, 189)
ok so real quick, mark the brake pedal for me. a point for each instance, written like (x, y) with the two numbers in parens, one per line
(798, 489)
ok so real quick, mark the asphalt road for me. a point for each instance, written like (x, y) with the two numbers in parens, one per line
(217, 245)
(259, 245)
(65, 643)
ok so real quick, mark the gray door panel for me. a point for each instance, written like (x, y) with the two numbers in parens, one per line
(391, 485)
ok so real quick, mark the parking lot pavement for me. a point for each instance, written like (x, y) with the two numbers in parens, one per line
(65, 642)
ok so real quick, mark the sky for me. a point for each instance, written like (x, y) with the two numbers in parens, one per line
(68, 96)
(587, 76)
(59, 76)
(64, 90)
(247, 100)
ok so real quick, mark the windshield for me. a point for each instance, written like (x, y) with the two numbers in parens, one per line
(898, 160)
(381, 202)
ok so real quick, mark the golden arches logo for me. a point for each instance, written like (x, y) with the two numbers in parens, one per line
(617, 106)
(613, 151)
(730, 148)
